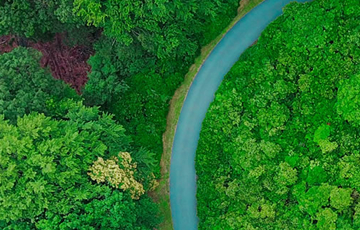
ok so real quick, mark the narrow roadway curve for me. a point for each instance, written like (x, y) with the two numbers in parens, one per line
(200, 95)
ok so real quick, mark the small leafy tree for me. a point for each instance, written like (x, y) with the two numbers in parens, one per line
(348, 100)
(110, 171)
(340, 198)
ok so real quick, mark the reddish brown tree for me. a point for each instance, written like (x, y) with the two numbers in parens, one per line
(65, 62)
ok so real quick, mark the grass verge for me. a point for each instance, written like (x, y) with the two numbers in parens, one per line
(161, 194)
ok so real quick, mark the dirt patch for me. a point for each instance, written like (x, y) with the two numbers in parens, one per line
(242, 5)
(7, 43)
(66, 63)
(255, 42)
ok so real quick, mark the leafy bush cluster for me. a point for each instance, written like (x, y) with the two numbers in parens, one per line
(110, 171)
(279, 148)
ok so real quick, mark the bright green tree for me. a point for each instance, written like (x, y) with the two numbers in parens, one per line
(43, 160)
(348, 100)
(44, 165)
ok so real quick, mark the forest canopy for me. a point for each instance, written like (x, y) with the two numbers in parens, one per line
(89, 158)
(279, 147)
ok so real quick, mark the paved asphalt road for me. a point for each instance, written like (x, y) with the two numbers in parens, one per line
(200, 95)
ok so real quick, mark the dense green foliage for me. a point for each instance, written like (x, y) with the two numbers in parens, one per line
(44, 164)
(25, 86)
(38, 19)
(279, 148)
(163, 28)
(143, 56)
(48, 141)
(33, 18)
(145, 49)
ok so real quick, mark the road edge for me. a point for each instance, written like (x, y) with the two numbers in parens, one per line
(162, 192)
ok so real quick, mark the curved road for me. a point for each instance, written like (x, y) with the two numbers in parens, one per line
(200, 95)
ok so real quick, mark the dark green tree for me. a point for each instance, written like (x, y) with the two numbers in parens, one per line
(25, 86)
